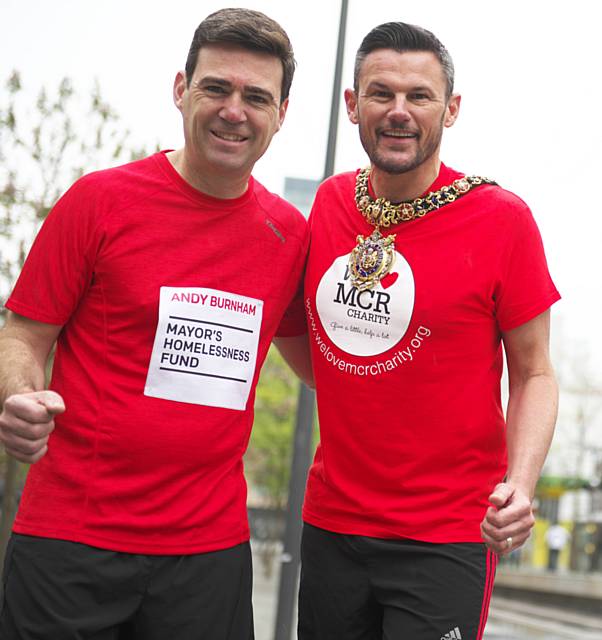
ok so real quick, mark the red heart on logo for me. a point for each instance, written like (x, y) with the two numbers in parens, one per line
(389, 280)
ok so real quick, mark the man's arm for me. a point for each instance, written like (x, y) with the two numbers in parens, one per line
(532, 410)
(28, 410)
(295, 351)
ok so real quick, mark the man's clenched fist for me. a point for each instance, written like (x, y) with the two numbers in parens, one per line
(26, 422)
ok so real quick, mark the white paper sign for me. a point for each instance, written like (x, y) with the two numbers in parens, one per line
(205, 347)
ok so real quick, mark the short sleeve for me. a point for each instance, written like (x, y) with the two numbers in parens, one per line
(524, 288)
(60, 264)
(293, 321)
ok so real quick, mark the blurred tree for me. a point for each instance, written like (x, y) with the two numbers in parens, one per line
(44, 147)
(577, 446)
(268, 459)
(269, 456)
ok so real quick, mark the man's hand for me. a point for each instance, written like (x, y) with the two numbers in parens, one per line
(26, 422)
(509, 519)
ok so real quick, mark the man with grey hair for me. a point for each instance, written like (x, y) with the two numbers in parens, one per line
(152, 280)
(416, 277)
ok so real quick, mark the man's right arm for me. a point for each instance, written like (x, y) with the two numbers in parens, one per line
(295, 350)
(28, 411)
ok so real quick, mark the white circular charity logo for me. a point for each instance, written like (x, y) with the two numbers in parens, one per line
(366, 323)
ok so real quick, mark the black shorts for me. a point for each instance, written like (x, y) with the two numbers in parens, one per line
(58, 590)
(360, 588)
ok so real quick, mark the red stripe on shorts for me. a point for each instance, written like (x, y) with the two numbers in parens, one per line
(489, 578)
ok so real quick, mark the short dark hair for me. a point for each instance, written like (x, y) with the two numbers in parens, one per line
(403, 37)
(249, 29)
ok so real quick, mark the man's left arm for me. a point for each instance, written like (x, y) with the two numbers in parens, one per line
(531, 416)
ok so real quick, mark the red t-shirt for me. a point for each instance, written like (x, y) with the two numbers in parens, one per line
(408, 374)
(169, 300)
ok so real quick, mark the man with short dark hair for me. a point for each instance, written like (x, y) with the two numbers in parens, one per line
(416, 275)
(162, 283)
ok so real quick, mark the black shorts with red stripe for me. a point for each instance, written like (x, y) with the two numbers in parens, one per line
(361, 588)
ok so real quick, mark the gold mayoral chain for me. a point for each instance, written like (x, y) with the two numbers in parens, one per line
(373, 257)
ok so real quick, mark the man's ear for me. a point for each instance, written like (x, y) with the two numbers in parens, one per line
(351, 102)
(282, 112)
(452, 109)
(180, 85)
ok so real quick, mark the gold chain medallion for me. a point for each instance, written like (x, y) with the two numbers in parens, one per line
(373, 257)
(371, 260)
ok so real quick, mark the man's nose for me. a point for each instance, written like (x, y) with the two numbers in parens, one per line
(233, 109)
(399, 109)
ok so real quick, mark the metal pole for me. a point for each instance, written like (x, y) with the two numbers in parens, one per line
(290, 559)
(336, 94)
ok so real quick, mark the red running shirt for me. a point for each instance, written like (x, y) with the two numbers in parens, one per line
(408, 374)
(169, 300)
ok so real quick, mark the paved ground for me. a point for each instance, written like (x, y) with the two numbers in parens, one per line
(265, 593)
(515, 620)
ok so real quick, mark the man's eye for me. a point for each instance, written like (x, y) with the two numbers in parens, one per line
(381, 94)
(257, 98)
(214, 89)
(419, 96)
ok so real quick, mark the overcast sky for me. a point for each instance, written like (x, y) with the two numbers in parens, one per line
(528, 71)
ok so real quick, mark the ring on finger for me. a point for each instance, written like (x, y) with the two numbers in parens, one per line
(509, 542)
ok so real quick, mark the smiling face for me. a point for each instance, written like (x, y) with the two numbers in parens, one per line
(230, 111)
(401, 108)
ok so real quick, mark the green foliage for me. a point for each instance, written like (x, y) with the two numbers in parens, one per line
(268, 459)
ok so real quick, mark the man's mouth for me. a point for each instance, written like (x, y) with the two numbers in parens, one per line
(398, 133)
(229, 137)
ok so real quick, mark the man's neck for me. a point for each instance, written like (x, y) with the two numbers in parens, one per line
(218, 186)
(404, 186)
